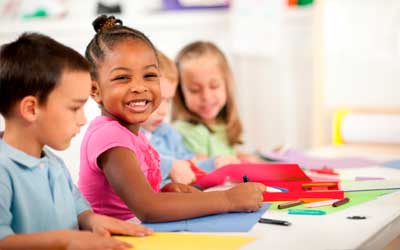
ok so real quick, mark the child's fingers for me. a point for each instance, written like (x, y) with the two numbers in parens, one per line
(101, 232)
(124, 228)
(261, 187)
(116, 244)
(128, 228)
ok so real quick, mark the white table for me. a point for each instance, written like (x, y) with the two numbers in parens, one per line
(335, 231)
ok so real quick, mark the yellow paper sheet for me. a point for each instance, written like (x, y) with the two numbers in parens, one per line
(190, 241)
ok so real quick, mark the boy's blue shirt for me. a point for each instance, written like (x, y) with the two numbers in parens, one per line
(169, 144)
(36, 194)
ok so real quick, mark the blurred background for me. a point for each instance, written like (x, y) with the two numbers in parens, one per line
(294, 61)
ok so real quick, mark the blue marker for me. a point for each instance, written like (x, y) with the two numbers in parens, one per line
(306, 212)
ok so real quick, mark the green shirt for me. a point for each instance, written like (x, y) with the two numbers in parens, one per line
(200, 140)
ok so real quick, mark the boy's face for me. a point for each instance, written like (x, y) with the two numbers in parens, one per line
(203, 87)
(168, 89)
(62, 115)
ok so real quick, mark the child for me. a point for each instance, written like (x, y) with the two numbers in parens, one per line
(43, 87)
(120, 174)
(204, 107)
(175, 159)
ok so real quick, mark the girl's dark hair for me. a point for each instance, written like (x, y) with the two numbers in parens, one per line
(110, 31)
(33, 65)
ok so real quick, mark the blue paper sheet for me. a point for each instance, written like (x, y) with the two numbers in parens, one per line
(392, 164)
(228, 222)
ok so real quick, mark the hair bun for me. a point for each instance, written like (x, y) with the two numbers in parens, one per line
(103, 22)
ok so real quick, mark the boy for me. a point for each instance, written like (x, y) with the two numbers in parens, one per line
(176, 160)
(43, 88)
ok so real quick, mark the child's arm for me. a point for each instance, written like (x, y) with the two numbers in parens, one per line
(106, 226)
(61, 240)
(122, 170)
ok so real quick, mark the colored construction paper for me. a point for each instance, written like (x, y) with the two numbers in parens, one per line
(369, 185)
(227, 222)
(356, 198)
(304, 160)
(392, 164)
(256, 172)
(186, 241)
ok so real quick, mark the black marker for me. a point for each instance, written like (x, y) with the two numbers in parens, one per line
(245, 178)
(275, 222)
(356, 217)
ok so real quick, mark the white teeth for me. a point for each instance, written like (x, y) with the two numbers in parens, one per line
(137, 103)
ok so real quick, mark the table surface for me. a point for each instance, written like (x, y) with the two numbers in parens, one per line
(335, 231)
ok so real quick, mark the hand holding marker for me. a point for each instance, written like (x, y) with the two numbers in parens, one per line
(265, 220)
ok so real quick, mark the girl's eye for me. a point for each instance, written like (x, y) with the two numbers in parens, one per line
(215, 86)
(151, 76)
(194, 91)
(74, 109)
(121, 78)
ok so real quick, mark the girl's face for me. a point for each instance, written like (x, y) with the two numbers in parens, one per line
(203, 87)
(128, 86)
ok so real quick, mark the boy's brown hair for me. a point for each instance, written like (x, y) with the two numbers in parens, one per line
(229, 113)
(33, 65)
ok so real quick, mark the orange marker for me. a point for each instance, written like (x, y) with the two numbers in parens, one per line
(321, 184)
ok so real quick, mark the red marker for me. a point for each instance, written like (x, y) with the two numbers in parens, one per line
(324, 170)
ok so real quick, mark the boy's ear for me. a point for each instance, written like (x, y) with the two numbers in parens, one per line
(95, 92)
(28, 108)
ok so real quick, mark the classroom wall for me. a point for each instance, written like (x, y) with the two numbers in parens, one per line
(357, 59)
(362, 53)
(272, 66)
(271, 49)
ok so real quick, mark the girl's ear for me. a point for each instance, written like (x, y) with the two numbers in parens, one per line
(96, 92)
(28, 108)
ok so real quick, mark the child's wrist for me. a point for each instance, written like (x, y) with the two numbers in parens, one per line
(228, 204)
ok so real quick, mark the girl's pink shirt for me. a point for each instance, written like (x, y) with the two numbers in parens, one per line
(103, 134)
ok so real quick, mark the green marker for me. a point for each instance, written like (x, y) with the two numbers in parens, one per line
(306, 212)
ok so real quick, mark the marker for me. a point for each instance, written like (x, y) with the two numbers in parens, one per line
(306, 212)
(321, 203)
(320, 184)
(324, 170)
(356, 217)
(245, 178)
(290, 204)
(340, 202)
(275, 222)
(274, 189)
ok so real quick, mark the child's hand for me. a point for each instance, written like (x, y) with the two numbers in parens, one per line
(106, 226)
(179, 188)
(181, 172)
(80, 240)
(250, 158)
(200, 157)
(246, 197)
(223, 160)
